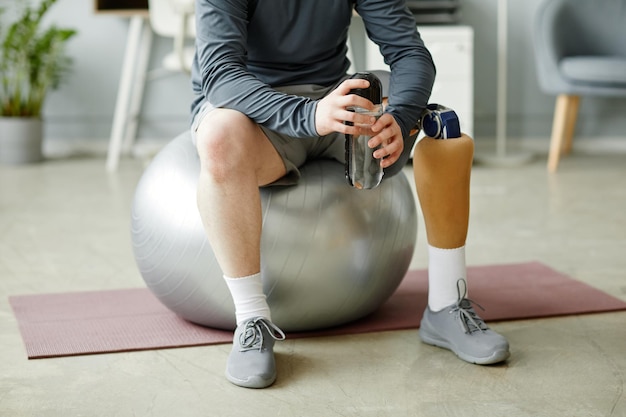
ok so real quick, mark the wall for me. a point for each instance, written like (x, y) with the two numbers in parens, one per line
(529, 110)
(83, 107)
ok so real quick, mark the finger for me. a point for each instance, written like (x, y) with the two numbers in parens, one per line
(392, 156)
(389, 146)
(350, 84)
(386, 151)
(341, 127)
(390, 160)
(353, 100)
(384, 121)
(355, 118)
(385, 137)
(381, 137)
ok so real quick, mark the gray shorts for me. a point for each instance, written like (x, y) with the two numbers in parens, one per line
(294, 151)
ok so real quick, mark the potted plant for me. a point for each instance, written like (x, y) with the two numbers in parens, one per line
(32, 62)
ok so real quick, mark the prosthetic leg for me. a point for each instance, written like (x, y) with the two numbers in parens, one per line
(442, 178)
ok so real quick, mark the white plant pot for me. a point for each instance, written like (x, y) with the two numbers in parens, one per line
(20, 140)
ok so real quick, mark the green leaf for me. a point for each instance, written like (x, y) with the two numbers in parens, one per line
(33, 61)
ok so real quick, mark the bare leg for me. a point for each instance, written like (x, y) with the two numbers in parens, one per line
(442, 177)
(236, 158)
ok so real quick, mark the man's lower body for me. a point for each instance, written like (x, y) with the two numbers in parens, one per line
(238, 156)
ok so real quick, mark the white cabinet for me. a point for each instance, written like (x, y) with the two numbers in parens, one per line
(452, 48)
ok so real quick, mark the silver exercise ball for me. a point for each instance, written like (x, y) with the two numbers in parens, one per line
(330, 253)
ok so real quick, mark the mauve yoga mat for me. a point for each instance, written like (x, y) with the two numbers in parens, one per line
(80, 323)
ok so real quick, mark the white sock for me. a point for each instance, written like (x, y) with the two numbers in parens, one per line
(249, 298)
(445, 268)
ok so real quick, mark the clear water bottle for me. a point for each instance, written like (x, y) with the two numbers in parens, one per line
(363, 171)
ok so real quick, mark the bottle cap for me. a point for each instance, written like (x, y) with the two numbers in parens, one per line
(374, 92)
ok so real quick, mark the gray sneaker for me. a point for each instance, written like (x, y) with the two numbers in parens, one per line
(251, 361)
(459, 329)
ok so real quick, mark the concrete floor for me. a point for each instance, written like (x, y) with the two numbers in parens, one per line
(64, 227)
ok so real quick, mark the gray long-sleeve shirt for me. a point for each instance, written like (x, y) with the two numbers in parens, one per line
(245, 48)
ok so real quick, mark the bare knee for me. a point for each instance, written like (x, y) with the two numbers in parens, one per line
(223, 140)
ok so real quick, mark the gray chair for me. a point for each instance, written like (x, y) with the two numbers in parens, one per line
(580, 48)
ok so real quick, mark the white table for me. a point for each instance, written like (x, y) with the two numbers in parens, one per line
(131, 88)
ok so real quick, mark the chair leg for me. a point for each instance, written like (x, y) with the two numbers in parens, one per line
(565, 114)
(572, 116)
